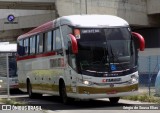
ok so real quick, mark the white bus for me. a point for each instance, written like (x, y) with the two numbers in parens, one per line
(9, 50)
(80, 56)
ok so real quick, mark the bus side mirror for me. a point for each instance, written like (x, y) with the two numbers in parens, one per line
(73, 44)
(140, 39)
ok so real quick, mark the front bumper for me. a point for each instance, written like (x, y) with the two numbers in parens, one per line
(93, 92)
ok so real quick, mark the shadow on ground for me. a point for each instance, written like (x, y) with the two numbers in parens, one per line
(54, 103)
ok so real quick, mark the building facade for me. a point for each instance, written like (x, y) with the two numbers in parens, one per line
(142, 15)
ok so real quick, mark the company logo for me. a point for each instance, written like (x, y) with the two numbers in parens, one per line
(6, 107)
(10, 18)
(111, 80)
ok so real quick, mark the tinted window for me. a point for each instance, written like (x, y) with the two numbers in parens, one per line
(20, 48)
(54, 40)
(66, 30)
(37, 44)
(58, 40)
(49, 41)
(26, 46)
(40, 43)
(32, 45)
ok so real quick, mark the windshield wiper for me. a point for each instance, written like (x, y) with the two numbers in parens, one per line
(113, 59)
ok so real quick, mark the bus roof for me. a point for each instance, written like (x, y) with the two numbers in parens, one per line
(8, 48)
(93, 21)
(79, 21)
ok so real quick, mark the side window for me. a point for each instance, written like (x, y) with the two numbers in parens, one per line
(49, 41)
(66, 30)
(58, 40)
(45, 42)
(41, 47)
(32, 45)
(37, 44)
(54, 40)
(26, 46)
(20, 48)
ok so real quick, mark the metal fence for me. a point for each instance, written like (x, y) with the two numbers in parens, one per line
(148, 67)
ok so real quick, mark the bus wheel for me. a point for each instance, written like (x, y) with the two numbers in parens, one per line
(29, 90)
(114, 100)
(30, 93)
(63, 93)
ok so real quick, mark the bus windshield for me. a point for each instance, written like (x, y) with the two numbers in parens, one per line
(105, 50)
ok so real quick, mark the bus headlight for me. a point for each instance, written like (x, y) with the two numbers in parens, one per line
(134, 78)
(86, 82)
(1, 81)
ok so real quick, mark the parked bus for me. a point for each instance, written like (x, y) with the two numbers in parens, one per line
(9, 50)
(80, 56)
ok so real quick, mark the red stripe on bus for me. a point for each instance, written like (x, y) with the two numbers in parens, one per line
(42, 28)
(35, 56)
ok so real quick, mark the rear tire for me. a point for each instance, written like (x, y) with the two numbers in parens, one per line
(114, 100)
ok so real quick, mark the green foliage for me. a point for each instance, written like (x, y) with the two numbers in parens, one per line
(11, 102)
(143, 98)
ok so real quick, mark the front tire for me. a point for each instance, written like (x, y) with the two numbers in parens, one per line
(114, 100)
(63, 94)
(30, 93)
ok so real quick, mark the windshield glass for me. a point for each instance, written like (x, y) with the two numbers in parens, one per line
(105, 50)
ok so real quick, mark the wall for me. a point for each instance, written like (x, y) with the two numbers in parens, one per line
(153, 6)
(134, 11)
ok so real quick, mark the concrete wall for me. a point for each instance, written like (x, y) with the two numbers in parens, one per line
(19, 13)
(49, 1)
(134, 11)
(27, 21)
(153, 6)
(22, 23)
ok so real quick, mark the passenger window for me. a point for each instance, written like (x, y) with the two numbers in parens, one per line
(45, 42)
(66, 30)
(20, 48)
(40, 43)
(54, 40)
(32, 45)
(37, 44)
(26, 46)
(48, 41)
(58, 40)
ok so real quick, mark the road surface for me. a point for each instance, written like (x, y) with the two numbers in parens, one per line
(52, 104)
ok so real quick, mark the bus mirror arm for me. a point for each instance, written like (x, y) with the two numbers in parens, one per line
(141, 40)
(73, 44)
